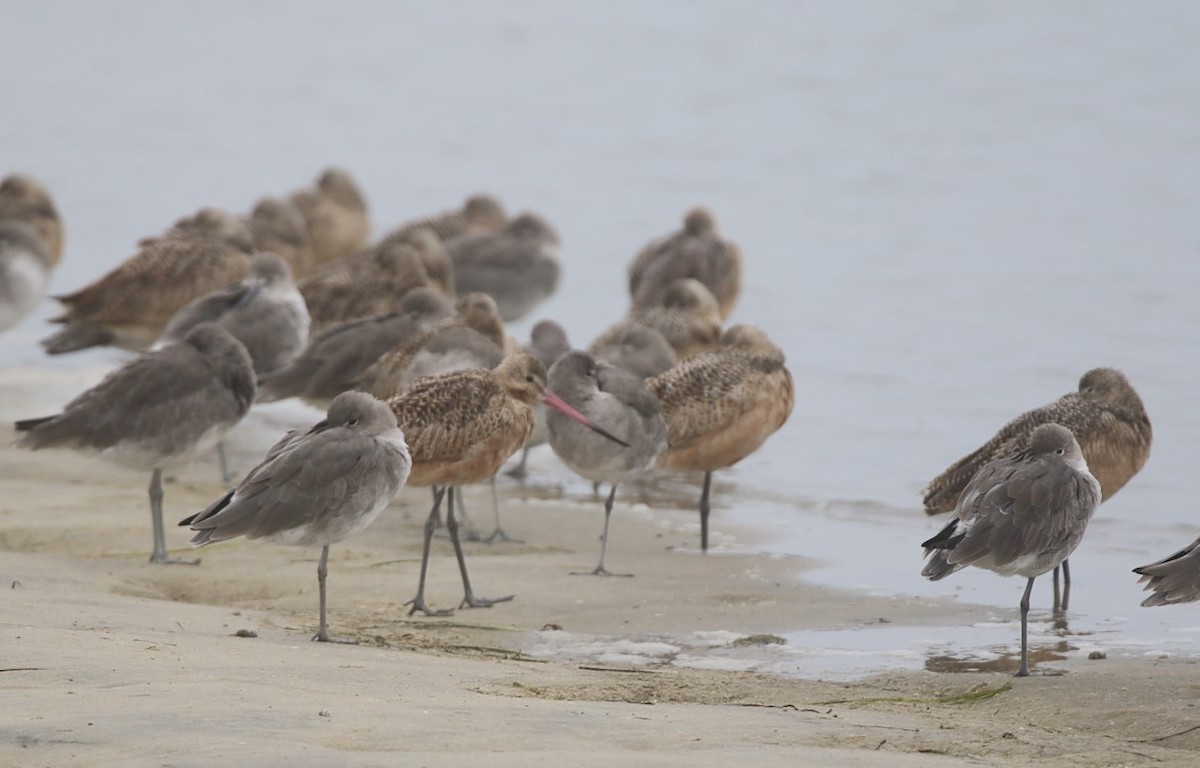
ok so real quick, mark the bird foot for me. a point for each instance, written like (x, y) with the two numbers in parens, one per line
(470, 601)
(325, 637)
(600, 570)
(164, 559)
(418, 604)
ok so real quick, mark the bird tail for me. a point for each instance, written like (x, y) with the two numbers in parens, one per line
(76, 337)
(938, 566)
(938, 549)
(25, 425)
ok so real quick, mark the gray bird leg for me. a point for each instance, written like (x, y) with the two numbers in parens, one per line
(226, 476)
(323, 629)
(469, 598)
(704, 512)
(519, 471)
(600, 570)
(159, 553)
(418, 602)
(1024, 670)
(1060, 602)
(498, 534)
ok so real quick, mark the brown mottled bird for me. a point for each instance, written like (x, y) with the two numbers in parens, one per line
(374, 285)
(461, 427)
(1021, 515)
(687, 317)
(480, 214)
(722, 405)
(277, 226)
(335, 212)
(131, 305)
(25, 200)
(697, 251)
(1105, 415)
(1174, 579)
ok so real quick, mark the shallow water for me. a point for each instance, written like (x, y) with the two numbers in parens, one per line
(948, 211)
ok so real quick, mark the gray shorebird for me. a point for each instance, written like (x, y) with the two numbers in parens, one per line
(1020, 516)
(131, 305)
(461, 428)
(24, 271)
(277, 226)
(721, 406)
(335, 214)
(157, 411)
(547, 342)
(337, 357)
(1105, 415)
(1174, 579)
(641, 350)
(25, 200)
(687, 317)
(697, 251)
(517, 265)
(316, 487)
(479, 215)
(620, 401)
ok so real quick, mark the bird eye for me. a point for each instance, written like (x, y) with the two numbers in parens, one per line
(1060, 451)
(529, 377)
(352, 422)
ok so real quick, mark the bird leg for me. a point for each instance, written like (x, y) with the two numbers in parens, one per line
(519, 471)
(226, 476)
(468, 531)
(600, 570)
(1024, 670)
(323, 629)
(498, 534)
(418, 602)
(704, 512)
(469, 598)
(1060, 603)
(159, 553)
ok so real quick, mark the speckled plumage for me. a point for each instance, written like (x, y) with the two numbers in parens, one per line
(1174, 579)
(1107, 418)
(480, 214)
(688, 318)
(25, 200)
(335, 213)
(277, 226)
(373, 284)
(697, 251)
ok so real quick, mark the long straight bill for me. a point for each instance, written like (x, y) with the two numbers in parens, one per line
(560, 405)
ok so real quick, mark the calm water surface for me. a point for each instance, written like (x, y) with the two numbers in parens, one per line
(948, 210)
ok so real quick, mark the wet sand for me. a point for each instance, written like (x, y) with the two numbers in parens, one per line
(110, 660)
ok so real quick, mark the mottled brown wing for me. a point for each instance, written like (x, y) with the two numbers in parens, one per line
(444, 417)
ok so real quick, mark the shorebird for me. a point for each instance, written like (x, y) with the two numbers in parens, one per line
(131, 305)
(1174, 579)
(1105, 415)
(374, 283)
(616, 398)
(278, 227)
(336, 358)
(722, 405)
(335, 213)
(461, 427)
(697, 251)
(473, 339)
(480, 214)
(642, 351)
(25, 200)
(517, 265)
(1020, 515)
(157, 411)
(316, 487)
(24, 271)
(547, 342)
(687, 317)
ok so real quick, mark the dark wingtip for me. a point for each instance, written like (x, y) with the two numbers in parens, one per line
(25, 425)
(76, 337)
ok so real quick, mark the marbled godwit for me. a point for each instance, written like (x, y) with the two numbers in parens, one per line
(474, 339)
(374, 284)
(131, 305)
(688, 318)
(517, 265)
(316, 487)
(620, 401)
(547, 342)
(642, 351)
(1020, 515)
(335, 213)
(23, 199)
(722, 405)
(157, 411)
(278, 227)
(336, 358)
(480, 214)
(24, 271)
(461, 427)
(1107, 418)
(697, 251)
(1174, 579)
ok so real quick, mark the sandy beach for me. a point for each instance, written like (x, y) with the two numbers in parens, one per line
(110, 660)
